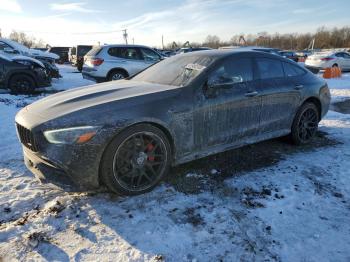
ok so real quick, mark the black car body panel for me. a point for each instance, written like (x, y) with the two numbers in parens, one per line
(9, 68)
(197, 121)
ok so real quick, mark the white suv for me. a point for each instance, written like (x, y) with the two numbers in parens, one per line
(114, 62)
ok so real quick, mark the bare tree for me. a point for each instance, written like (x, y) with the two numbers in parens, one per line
(24, 39)
(212, 41)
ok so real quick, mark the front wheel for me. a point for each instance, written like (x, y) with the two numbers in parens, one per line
(305, 124)
(136, 160)
(21, 84)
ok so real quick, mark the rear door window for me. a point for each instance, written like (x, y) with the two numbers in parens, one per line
(125, 52)
(269, 68)
(292, 70)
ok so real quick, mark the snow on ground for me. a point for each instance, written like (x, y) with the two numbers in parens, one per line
(340, 88)
(295, 209)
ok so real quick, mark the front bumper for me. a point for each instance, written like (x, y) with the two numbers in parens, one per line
(47, 172)
(42, 79)
(69, 167)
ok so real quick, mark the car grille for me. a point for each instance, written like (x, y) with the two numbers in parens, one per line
(27, 138)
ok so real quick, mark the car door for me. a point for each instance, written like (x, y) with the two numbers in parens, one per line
(279, 92)
(229, 112)
(128, 58)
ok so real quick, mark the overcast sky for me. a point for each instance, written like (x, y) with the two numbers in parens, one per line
(67, 23)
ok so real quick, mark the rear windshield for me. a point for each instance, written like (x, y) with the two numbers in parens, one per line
(178, 70)
(94, 51)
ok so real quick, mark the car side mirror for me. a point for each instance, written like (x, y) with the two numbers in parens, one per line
(224, 83)
(10, 51)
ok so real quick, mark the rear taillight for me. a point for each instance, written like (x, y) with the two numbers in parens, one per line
(327, 59)
(96, 61)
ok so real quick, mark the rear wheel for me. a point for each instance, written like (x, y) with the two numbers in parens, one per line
(117, 75)
(136, 160)
(21, 84)
(305, 124)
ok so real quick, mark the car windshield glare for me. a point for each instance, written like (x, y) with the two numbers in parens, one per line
(179, 70)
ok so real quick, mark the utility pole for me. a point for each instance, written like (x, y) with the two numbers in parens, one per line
(0, 32)
(133, 41)
(162, 42)
(125, 35)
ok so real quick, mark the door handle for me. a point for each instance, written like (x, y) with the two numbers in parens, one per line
(251, 94)
(298, 87)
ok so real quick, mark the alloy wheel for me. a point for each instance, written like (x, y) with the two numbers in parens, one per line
(139, 161)
(21, 85)
(117, 76)
(307, 125)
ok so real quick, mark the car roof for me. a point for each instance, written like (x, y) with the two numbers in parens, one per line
(221, 53)
(125, 45)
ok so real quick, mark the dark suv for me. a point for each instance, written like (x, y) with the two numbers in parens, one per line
(62, 52)
(77, 53)
(22, 76)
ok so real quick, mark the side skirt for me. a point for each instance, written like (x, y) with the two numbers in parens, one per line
(225, 147)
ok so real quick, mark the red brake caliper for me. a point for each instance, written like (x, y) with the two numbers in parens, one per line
(149, 148)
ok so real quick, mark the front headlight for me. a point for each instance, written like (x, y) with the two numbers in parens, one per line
(26, 63)
(72, 135)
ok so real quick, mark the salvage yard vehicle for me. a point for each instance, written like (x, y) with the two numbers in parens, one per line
(76, 55)
(11, 48)
(290, 55)
(115, 62)
(62, 52)
(323, 60)
(126, 134)
(22, 74)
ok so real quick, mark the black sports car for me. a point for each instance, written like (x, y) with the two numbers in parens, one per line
(126, 134)
(22, 74)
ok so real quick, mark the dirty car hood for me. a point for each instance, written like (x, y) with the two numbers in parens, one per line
(89, 96)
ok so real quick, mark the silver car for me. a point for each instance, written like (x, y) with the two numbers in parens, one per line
(114, 62)
(328, 59)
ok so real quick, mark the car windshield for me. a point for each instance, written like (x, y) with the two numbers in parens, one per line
(179, 70)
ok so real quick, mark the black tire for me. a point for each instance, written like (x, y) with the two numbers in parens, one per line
(116, 75)
(134, 154)
(21, 84)
(305, 124)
